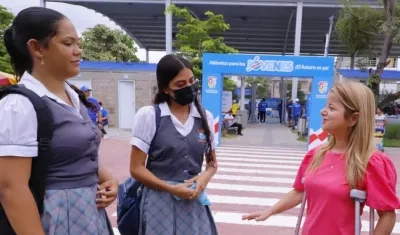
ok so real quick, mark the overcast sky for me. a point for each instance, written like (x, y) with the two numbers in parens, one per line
(81, 17)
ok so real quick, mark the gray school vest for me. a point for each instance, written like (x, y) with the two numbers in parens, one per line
(174, 157)
(75, 146)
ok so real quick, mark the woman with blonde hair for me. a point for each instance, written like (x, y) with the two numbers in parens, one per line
(348, 161)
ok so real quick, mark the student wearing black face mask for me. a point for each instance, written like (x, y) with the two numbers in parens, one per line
(173, 186)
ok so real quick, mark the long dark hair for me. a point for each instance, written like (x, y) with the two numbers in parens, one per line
(37, 23)
(167, 69)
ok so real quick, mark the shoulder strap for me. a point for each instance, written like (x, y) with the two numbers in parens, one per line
(157, 115)
(44, 136)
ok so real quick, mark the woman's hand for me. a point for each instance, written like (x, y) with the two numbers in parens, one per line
(107, 193)
(201, 183)
(182, 191)
(257, 216)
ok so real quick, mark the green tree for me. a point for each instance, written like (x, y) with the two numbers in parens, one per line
(6, 18)
(197, 36)
(263, 86)
(101, 43)
(300, 94)
(359, 27)
(230, 85)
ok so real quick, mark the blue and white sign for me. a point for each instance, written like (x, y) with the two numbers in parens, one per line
(319, 68)
(258, 65)
(247, 92)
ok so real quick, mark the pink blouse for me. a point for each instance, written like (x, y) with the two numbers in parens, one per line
(330, 210)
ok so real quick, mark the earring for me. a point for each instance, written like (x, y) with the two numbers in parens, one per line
(42, 62)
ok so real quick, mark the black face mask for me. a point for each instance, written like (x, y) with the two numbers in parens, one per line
(186, 95)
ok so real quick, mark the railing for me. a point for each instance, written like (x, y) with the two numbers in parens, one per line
(365, 63)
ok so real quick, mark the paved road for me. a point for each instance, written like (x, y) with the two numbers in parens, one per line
(249, 178)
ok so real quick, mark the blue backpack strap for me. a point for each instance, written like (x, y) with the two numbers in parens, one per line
(41, 161)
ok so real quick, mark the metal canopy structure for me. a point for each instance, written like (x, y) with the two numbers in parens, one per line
(257, 26)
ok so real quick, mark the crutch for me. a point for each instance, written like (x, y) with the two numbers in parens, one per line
(360, 197)
(303, 204)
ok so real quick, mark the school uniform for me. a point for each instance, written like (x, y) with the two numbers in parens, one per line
(177, 154)
(71, 184)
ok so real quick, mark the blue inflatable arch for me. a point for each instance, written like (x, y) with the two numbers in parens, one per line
(320, 69)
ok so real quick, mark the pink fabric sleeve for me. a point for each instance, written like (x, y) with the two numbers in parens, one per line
(303, 167)
(381, 180)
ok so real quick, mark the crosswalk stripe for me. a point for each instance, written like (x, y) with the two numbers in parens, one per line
(258, 160)
(254, 171)
(257, 152)
(270, 166)
(258, 156)
(254, 201)
(253, 178)
(276, 221)
(248, 188)
(250, 147)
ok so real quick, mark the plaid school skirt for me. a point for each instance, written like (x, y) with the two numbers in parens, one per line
(162, 214)
(74, 212)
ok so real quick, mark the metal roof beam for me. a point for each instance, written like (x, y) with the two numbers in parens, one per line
(272, 25)
(247, 28)
(231, 20)
(290, 3)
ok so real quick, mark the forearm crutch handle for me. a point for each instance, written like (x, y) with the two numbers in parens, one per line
(361, 197)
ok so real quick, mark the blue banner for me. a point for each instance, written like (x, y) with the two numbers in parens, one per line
(212, 89)
(280, 66)
(317, 101)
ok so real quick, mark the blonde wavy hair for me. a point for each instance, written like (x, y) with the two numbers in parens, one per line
(356, 98)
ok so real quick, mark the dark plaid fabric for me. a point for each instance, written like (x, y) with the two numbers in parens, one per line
(74, 212)
(164, 215)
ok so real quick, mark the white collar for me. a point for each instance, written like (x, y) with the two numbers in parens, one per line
(165, 111)
(36, 86)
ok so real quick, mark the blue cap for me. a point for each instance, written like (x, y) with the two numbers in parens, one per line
(85, 88)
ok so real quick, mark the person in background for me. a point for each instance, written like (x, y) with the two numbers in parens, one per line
(380, 121)
(94, 113)
(230, 119)
(235, 107)
(44, 52)
(279, 108)
(349, 160)
(262, 109)
(249, 110)
(296, 112)
(289, 110)
(104, 116)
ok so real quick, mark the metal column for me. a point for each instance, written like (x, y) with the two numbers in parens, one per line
(42, 3)
(328, 36)
(168, 29)
(242, 91)
(297, 43)
(147, 55)
(282, 84)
